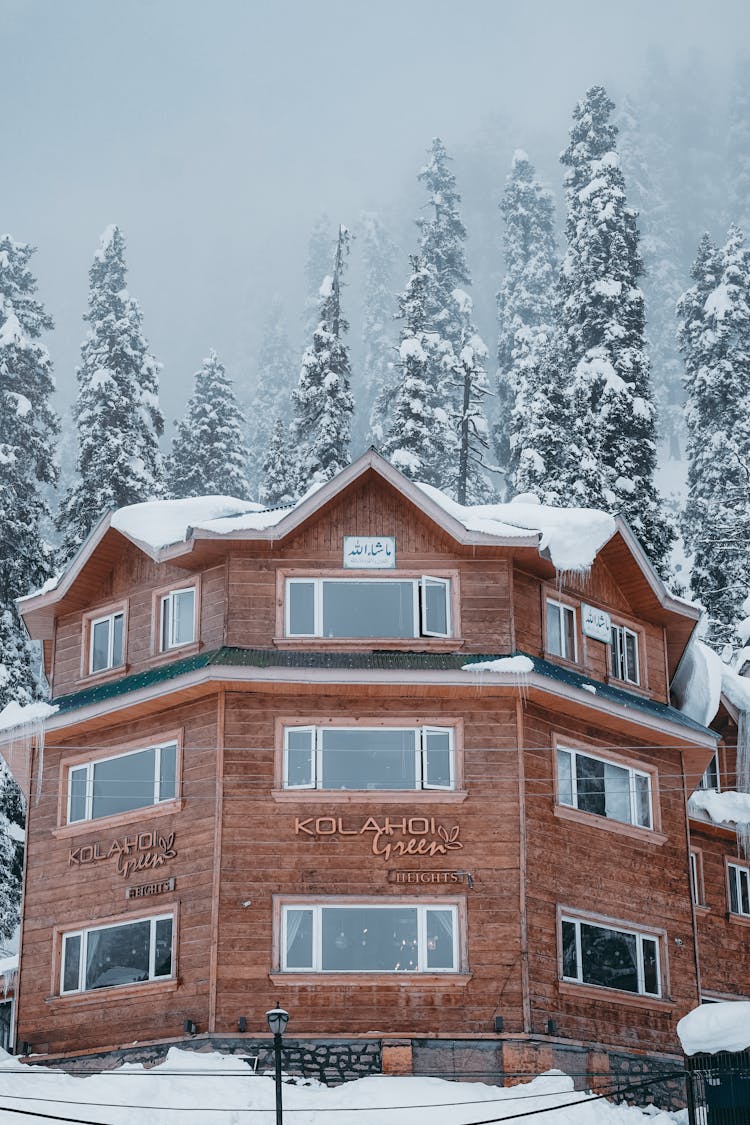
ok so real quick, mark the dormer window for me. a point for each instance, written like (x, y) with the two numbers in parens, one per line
(624, 655)
(106, 638)
(177, 618)
(561, 630)
(361, 608)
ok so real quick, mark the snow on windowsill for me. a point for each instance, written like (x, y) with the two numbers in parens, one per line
(716, 1027)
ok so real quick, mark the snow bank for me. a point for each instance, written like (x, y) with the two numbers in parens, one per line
(571, 537)
(520, 665)
(736, 688)
(716, 1027)
(698, 683)
(212, 1089)
(728, 808)
(15, 715)
(159, 523)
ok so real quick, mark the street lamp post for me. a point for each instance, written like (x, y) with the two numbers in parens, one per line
(277, 1020)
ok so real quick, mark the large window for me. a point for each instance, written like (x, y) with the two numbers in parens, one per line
(624, 655)
(595, 785)
(370, 939)
(611, 957)
(368, 758)
(376, 607)
(561, 630)
(739, 889)
(121, 783)
(106, 642)
(177, 618)
(107, 956)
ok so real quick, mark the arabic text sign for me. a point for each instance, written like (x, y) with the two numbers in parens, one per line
(596, 623)
(369, 552)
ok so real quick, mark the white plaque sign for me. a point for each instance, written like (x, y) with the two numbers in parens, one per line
(596, 623)
(369, 552)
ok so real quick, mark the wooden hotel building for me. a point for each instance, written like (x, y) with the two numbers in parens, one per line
(386, 761)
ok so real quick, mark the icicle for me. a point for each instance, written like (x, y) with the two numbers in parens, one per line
(25, 736)
(9, 980)
(743, 777)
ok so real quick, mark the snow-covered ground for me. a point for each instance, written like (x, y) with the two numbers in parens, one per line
(214, 1089)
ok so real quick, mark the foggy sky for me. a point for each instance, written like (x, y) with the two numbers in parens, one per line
(214, 133)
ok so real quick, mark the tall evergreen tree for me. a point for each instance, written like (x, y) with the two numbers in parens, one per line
(738, 146)
(28, 429)
(274, 380)
(470, 378)
(280, 471)
(542, 411)
(525, 305)
(117, 410)
(603, 350)
(374, 395)
(322, 399)
(714, 336)
(320, 250)
(209, 456)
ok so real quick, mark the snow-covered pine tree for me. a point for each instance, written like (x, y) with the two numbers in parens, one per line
(714, 337)
(526, 313)
(323, 401)
(117, 409)
(376, 389)
(28, 429)
(472, 485)
(274, 379)
(280, 473)
(410, 441)
(209, 455)
(320, 250)
(601, 323)
(540, 433)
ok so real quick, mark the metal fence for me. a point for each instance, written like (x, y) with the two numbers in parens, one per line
(718, 1088)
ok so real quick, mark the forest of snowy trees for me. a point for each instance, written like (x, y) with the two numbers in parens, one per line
(617, 342)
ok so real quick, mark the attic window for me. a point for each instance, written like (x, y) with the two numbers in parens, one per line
(106, 642)
(177, 618)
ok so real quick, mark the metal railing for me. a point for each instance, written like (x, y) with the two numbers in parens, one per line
(718, 1088)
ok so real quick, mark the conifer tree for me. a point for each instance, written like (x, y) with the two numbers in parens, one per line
(374, 395)
(320, 250)
(209, 456)
(470, 376)
(525, 304)
(280, 472)
(738, 147)
(714, 337)
(601, 321)
(274, 379)
(542, 411)
(117, 409)
(322, 399)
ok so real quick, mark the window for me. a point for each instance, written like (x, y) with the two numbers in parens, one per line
(6, 1024)
(561, 630)
(696, 877)
(106, 642)
(613, 958)
(624, 654)
(107, 956)
(127, 781)
(368, 758)
(370, 939)
(597, 786)
(177, 618)
(710, 779)
(739, 889)
(354, 607)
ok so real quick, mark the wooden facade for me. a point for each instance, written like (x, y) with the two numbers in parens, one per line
(232, 846)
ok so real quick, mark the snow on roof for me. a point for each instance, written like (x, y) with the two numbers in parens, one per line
(697, 684)
(728, 808)
(159, 523)
(716, 1027)
(518, 665)
(16, 715)
(736, 688)
(572, 537)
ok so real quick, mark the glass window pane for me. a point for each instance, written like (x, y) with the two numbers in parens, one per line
(564, 778)
(168, 772)
(100, 645)
(368, 609)
(299, 755)
(366, 938)
(78, 793)
(642, 800)
(381, 758)
(590, 781)
(617, 792)
(650, 966)
(435, 607)
(301, 608)
(183, 631)
(72, 963)
(631, 657)
(609, 958)
(570, 958)
(163, 951)
(744, 892)
(117, 626)
(118, 955)
(166, 622)
(569, 640)
(439, 937)
(437, 769)
(734, 901)
(694, 878)
(124, 783)
(6, 1011)
(554, 633)
(299, 939)
(615, 653)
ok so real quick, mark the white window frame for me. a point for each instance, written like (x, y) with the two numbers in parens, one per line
(618, 661)
(735, 874)
(639, 935)
(419, 602)
(563, 608)
(110, 618)
(316, 909)
(83, 935)
(632, 774)
(168, 642)
(420, 752)
(694, 878)
(88, 767)
(714, 762)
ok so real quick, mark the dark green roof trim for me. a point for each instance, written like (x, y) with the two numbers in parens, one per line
(380, 661)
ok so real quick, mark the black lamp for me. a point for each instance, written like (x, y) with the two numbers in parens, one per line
(277, 1020)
